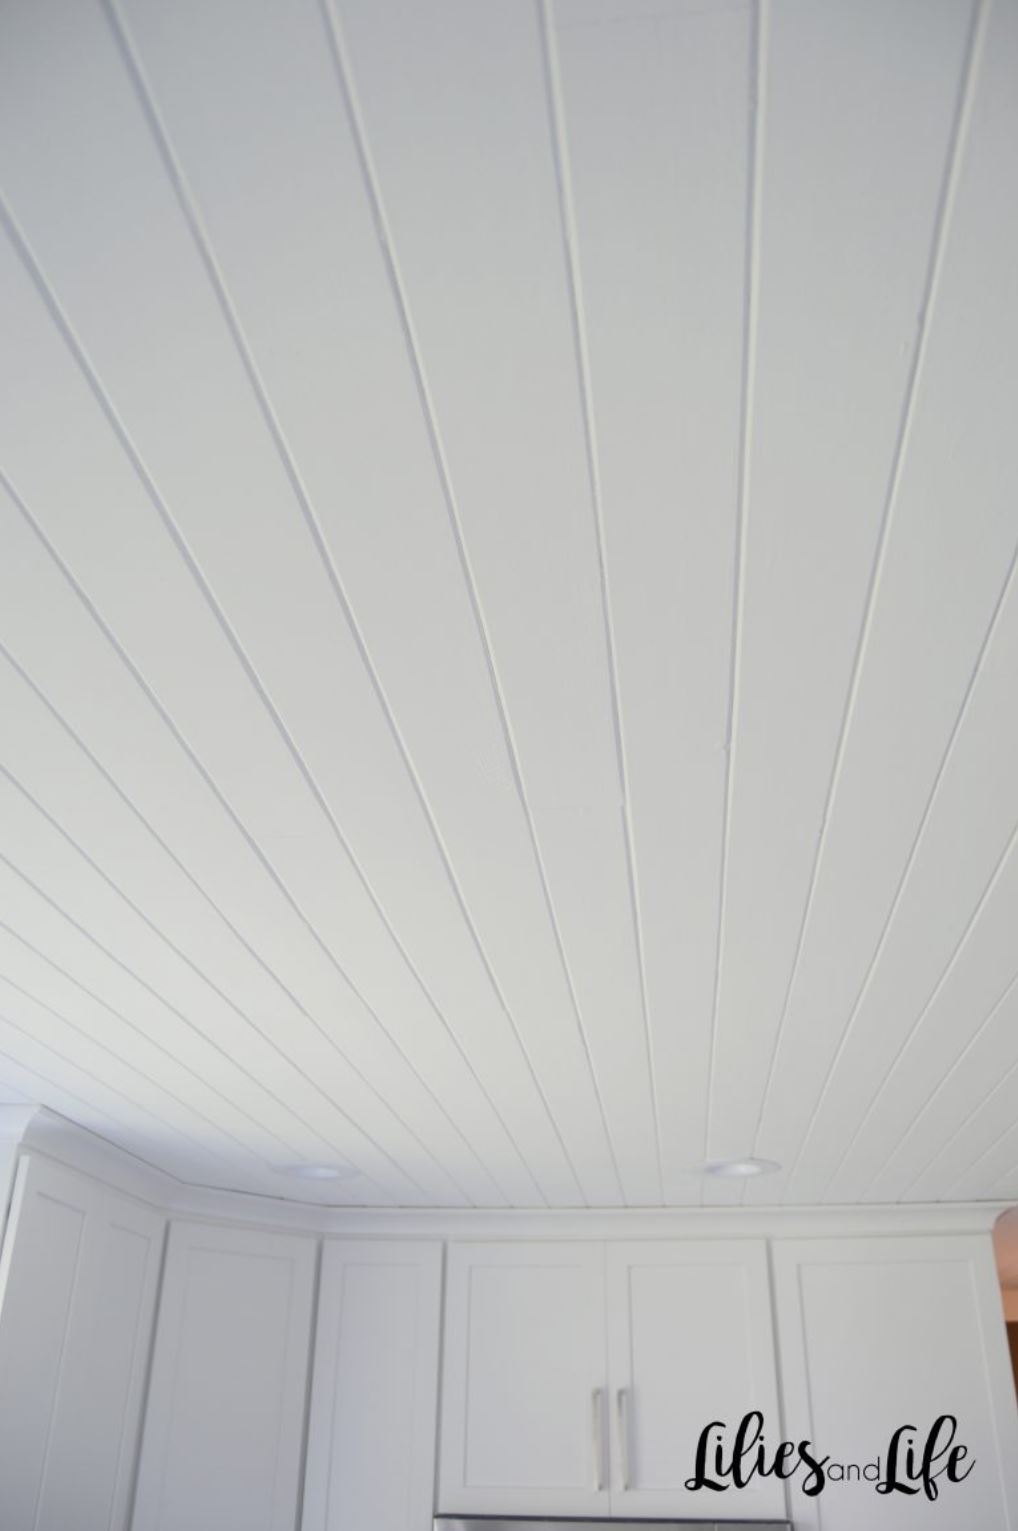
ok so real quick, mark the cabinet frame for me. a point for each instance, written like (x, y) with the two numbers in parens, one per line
(762, 1498)
(455, 1495)
(604, 1378)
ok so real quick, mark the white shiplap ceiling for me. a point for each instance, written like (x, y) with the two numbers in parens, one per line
(510, 640)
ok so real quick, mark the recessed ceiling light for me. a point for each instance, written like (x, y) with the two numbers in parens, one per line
(318, 1171)
(740, 1169)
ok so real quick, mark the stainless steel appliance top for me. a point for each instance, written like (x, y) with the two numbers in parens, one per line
(564, 1523)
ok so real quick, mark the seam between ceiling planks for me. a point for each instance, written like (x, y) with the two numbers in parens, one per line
(355, 117)
(754, 199)
(203, 245)
(970, 1116)
(201, 239)
(966, 93)
(132, 807)
(220, 798)
(570, 240)
(181, 955)
(134, 456)
(559, 143)
(192, 218)
(956, 728)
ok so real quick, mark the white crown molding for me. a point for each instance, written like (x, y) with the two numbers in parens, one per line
(890, 1220)
(42, 1131)
(78, 1149)
(15, 1122)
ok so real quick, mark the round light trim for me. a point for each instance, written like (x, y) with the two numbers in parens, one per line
(740, 1169)
(318, 1171)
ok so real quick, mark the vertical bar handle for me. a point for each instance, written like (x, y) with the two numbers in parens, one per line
(622, 1418)
(597, 1437)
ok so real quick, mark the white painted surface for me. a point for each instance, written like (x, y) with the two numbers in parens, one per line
(690, 1340)
(509, 669)
(570, 1365)
(878, 1333)
(78, 1281)
(374, 1396)
(14, 1121)
(524, 1401)
(224, 1424)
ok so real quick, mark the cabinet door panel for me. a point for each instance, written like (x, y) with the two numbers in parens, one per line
(77, 1293)
(225, 1421)
(371, 1439)
(877, 1333)
(690, 1341)
(522, 1420)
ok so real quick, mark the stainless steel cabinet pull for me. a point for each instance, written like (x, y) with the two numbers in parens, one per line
(597, 1437)
(622, 1417)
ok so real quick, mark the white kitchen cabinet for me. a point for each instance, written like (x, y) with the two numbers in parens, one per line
(374, 1396)
(877, 1333)
(579, 1376)
(78, 1282)
(224, 1427)
(689, 1341)
(523, 1409)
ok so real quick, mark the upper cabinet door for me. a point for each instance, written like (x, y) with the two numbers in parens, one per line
(224, 1428)
(690, 1341)
(371, 1441)
(77, 1293)
(877, 1333)
(524, 1408)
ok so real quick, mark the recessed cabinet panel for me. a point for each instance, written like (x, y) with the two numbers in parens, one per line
(225, 1422)
(877, 1333)
(524, 1422)
(77, 1293)
(371, 1440)
(689, 1331)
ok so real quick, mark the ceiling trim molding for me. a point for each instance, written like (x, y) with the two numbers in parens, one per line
(892, 1220)
(15, 1122)
(42, 1131)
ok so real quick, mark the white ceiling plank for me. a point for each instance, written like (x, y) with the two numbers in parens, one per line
(40, 1088)
(85, 676)
(966, 1136)
(27, 1046)
(971, 1077)
(949, 554)
(44, 999)
(84, 804)
(389, 1061)
(509, 593)
(922, 1036)
(103, 702)
(655, 103)
(457, 116)
(429, 662)
(994, 1172)
(69, 785)
(848, 204)
(316, 1129)
(210, 452)
(164, 630)
(191, 1145)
